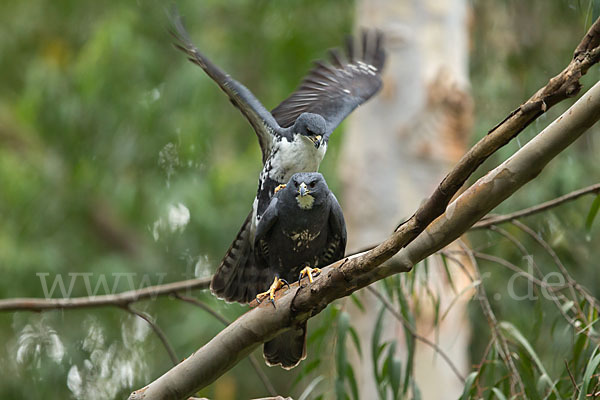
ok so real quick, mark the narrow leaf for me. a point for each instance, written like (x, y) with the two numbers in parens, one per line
(592, 213)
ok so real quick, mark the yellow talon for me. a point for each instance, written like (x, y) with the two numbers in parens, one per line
(278, 188)
(275, 286)
(308, 271)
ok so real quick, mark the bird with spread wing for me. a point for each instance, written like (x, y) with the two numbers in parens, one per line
(293, 137)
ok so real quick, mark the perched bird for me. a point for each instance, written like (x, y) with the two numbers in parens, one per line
(293, 137)
(301, 230)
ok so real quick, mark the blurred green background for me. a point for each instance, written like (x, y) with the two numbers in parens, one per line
(107, 133)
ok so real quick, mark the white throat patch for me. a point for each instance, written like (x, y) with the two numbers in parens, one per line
(305, 202)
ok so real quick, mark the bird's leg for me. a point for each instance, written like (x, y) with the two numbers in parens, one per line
(278, 188)
(310, 272)
(275, 286)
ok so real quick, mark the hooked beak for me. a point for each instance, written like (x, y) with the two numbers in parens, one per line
(316, 140)
(302, 190)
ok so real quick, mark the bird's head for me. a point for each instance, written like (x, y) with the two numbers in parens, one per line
(312, 127)
(309, 188)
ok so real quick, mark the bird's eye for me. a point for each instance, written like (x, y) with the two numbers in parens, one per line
(295, 183)
(312, 184)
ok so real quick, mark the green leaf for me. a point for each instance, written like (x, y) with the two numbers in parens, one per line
(394, 370)
(307, 369)
(567, 306)
(578, 349)
(352, 380)
(356, 341)
(516, 334)
(469, 287)
(310, 387)
(357, 302)
(415, 390)
(340, 354)
(468, 385)
(448, 274)
(375, 343)
(592, 213)
(545, 384)
(498, 394)
(590, 369)
(410, 342)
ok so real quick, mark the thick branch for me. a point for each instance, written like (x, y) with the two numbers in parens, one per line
(296, 305)
(120, 299)
(498, 219)
(564, 85)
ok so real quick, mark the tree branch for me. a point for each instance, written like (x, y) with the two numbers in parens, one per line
(499, 219)
(159, 332)
(562, 86)
(119, 300)
(345, 277)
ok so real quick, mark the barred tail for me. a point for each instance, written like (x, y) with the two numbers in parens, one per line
(238, 278)
(287, 349)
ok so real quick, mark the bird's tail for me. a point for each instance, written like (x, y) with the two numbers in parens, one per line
(287, 349)
(238, 278)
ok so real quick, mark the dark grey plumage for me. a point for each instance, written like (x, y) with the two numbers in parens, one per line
(334, 90)
(303, 226)
(293, 137)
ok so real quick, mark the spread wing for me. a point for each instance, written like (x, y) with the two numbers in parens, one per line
(335, 89)
(259, 117)
(336, 243)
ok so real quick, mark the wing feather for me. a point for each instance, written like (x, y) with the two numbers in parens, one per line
(259, 117)
(337, 237)
(335, 89)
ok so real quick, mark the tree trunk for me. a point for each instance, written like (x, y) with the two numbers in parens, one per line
(396, 149)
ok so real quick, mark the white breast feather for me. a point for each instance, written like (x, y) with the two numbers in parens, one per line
(299, 155)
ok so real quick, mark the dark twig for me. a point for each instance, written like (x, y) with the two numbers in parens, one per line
(571, 377)
(504, 351)
(203, 306)
(161, 335)
(390, 307)
(573, 285)
(556, 296)
(253, 361)
(499, 219)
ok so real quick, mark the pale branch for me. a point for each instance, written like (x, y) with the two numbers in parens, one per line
(120, 299)
(343, 278)
(159, 332)
(562, 86)
(499, 219)
(390, 307)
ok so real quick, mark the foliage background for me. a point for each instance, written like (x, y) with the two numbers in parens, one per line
(104, 128)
